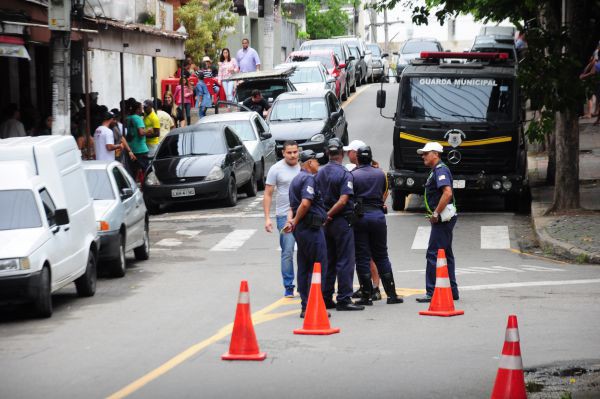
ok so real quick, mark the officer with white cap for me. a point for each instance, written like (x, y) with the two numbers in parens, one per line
(439, 202)
(350, 150)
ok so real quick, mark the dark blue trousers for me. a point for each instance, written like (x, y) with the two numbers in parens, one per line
(340, 259)
(440, 238)
(311, 248)
(370, 240)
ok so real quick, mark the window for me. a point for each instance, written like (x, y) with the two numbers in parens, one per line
(333, 104)
(307, 75)
(259, 126)
(99, 184)
(232, 139)
(18, 210)
(120, 179)
(49, 206)
(418, 46)
(208, 140)
(299, 109)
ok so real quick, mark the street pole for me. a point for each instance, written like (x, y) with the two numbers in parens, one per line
(385, 30)
(373, 18)
(59, 23)
(269, 35)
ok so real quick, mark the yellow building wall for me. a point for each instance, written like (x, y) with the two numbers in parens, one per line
(165, 68)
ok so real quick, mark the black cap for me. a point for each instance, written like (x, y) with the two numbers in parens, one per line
(107, 115)
(148, 103)
(310, 154)
(335, 144)
(364, 155)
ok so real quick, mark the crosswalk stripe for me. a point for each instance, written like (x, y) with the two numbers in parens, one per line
(189, 233)
(233, 240)
(495, 237)
(421, 240)
(169, 242)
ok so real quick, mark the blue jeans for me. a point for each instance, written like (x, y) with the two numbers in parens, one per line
(202, 111)
(286, 242)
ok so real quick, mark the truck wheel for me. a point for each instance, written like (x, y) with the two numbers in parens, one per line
(398, 200)
(86, 284)
(43, 302)
(118, 266)
(143, 251)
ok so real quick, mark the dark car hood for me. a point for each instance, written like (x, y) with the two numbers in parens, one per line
(296, 130)
(184, 167)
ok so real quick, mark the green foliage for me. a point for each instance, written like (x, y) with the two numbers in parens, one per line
(206, 23)
(322, 24)
(302, 35)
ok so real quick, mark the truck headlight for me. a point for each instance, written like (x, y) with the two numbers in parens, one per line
(152, 180)
(216, 173)
(507, 185)
(410, 182)
(318, 138)
(14, 264)
(496, 185)
(399, 181)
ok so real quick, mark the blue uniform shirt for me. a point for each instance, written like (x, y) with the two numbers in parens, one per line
(439, 177)
(304, 186)
(334, 180)
(369, 184)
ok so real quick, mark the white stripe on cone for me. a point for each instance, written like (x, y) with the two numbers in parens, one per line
(441, 262)
(316, 278)
(508, 362)
(244, 298)
(512, 335)
(442, 282)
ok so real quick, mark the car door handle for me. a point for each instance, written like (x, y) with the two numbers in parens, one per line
(67, 228)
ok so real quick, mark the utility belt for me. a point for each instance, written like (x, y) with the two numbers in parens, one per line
(368, 208)
(312, 221)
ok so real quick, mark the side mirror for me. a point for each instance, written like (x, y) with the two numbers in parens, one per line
(266, 136)
(384, 55)
(126, 193)
(362, 57)
(61, 217)
(351, 58)
(381, 99)
(335, 115)
(341, 65)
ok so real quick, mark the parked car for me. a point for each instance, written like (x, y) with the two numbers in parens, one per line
(309, 75)
(494, 44)
(361, 67)
(364, 58)
(412, 49)
(381, 64)
(199, 162)
(48, 235)
(311, 119)
(121, 216)
(336, 69)
(342, 51)
(271, 83)
(256, 136)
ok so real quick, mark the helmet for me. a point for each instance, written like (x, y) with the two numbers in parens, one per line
(364, 155)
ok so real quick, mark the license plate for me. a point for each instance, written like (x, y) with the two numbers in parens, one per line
(183, 192)
(458, 184)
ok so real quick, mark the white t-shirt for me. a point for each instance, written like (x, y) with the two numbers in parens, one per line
(280, 176)
(102, 137)
(11, 128)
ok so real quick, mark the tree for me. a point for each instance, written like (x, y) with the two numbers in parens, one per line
(548, 74)
(325, 23)
(206, 22)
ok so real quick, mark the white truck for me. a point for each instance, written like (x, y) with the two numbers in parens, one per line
(48, 234)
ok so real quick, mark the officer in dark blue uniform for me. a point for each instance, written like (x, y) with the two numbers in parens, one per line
(370, 229)
(336, 185)
(306, 221)
(442, 215)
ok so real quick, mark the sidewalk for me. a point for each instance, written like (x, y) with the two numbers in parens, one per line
(575, 236)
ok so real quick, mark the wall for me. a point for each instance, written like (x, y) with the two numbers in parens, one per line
(165, 68)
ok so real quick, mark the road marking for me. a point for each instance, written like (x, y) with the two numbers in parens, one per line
(541, 269)
(516, 251)
(492, 269)
(421, 240)
(494, 237)
(262, 316)
(169, 242)
(353, 97)
(189, 233)
(234, 240)
(527, 284)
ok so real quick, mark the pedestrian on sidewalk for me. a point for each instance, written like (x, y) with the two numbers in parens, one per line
(168, 106)
(188, 96)
(591, 69)
(279, 178)
(104, 140)
(227, 67)
(152, 126)
(203, 98)
(247, 58)
(442, 216)
(11, 126)
(123, 155)
(136, 138)
(166, 122)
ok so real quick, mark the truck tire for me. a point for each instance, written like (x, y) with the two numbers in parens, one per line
(86, 284)
(398, 200)
(43, 302)
(524, 202)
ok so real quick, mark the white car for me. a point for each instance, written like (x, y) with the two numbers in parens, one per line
(309, 76)
(121, 216)
(381, 64)
(255, 134)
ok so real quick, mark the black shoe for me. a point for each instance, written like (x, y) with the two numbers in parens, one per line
(392, 300)
(366, 289)
(343, 306)
(455, 296)
(376, 294)
(329, 304)
(424, 299)
(357, 294)
(364, 302)
(387, 279)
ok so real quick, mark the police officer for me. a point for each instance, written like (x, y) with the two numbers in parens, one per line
(336, 186)
(442, 215)
(306, 221)
(370, 229)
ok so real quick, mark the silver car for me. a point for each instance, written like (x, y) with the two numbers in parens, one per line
(121, 215)
(309, 76)
(255, 135)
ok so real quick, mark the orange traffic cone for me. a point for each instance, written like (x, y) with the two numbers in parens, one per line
(442, 303)
(316, 321)
(243, 344)
(510, 380)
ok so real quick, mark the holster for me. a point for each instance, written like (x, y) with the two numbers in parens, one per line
(313, 221)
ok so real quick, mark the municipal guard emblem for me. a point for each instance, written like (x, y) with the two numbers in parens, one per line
(455, 137)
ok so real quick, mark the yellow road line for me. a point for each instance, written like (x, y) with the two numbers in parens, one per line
(356, 94)
(516, 251)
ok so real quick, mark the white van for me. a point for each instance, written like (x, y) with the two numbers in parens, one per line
(48, 235)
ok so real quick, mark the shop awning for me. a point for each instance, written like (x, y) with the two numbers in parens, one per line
(11, 46)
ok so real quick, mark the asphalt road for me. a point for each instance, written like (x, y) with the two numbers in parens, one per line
(160, 331)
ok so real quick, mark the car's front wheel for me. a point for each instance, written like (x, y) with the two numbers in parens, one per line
(43, 301)
(143, 251)
(118, 266)
(231, 197)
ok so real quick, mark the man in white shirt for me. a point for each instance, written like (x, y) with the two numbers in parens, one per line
(12, 127)
(104, 140)
(279, 178)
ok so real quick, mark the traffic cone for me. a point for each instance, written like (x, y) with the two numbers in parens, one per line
(243, 344)
(442, 303)
(316, 321)
(510, 380)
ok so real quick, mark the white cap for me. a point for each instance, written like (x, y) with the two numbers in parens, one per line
(354, 145)
(431, 146)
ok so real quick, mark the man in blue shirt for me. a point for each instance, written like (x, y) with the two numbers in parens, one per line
(336, 185)
(306, 221)
(203, 99)
(438, 195)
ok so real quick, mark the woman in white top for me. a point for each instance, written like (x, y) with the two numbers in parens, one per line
(227, 67)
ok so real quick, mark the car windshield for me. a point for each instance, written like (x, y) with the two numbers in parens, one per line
(418, 46)
(270, 89)
(337, 49)
(200, 142)
(299, 109)
(307, 75)
(18, 210)
(99, 184)
(375, 50)
(242, 128)
(457, 99)
(354, 52)
(324, 59)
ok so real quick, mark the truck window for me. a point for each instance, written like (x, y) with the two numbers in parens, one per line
(49, 206)
(457, 99)
(18, 210)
